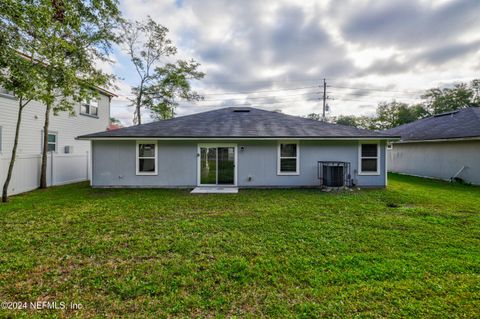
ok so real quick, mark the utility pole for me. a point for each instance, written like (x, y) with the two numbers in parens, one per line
(324, 98)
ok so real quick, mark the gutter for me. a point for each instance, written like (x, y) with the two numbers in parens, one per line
(455, 139)
(186, 138)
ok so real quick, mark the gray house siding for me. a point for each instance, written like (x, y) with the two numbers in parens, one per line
(259, 160)
(437, 159)
(114, 164)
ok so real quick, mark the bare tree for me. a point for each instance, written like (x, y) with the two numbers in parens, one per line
(160, 83)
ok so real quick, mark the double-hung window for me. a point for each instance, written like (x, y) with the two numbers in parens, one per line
(369, 159)
(288, 161)
(52, 142)
(147, 158)
(89, 107)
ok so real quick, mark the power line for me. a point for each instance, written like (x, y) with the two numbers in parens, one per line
(260, 81)
(252, 104)
(381, 97)
(370, 89)
(259, 97)
(283, 102)
(262, 91)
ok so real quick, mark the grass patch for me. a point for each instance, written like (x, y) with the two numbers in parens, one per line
(411, 250)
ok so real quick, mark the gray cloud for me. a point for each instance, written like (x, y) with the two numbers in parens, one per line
(262, 45)
(448, 52)
(385, 67)
(297, 44)
(409, 23)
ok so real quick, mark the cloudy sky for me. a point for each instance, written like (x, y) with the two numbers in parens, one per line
(275, 54)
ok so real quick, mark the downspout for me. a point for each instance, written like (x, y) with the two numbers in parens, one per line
(458, 173)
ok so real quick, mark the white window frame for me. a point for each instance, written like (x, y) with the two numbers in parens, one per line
(56, 141)
(279, 158)
(89, 103)
(360, 172)
(199, 163)
(138, 158)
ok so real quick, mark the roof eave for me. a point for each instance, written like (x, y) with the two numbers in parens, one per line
(179, 138)
(452, 139)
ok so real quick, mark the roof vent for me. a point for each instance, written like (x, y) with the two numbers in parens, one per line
(241, 110)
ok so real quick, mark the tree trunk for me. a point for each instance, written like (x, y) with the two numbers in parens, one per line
(43, 172)
(138, 107)
(14, 153)
(139, 104)
(139, 118)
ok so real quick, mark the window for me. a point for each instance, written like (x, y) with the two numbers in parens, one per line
(288, 159)
(89, 107)
(146, 158)
(52, 142)
(369, 163)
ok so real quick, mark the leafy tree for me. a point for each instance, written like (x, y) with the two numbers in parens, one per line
(392, 114)
(171, 82)
(462, 95)
(18, 74)
(314, 116)
(367, 122)
(69, 37)
(160, 84)
(114, 120)
(349, 120)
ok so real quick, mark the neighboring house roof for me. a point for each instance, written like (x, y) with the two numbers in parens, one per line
(245, 122)
(462, 123)
(113, 126)
(106, 92)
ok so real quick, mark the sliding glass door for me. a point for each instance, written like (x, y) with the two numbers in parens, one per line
(217, 165)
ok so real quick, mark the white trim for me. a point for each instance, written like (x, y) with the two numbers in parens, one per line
(137, 158)
(90, 163)
(216, 145)
(297, 158)
(90, 102)
(238, 138)
(385, 163)
(377, 172)
(56, 141)
(475, 138)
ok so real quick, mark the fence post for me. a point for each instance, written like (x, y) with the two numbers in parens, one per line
(51, 169)
(88, 175)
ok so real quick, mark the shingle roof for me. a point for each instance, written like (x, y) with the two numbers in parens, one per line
(457, 124)
(243, 122)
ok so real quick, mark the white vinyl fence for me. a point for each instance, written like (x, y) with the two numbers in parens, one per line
(61, 169)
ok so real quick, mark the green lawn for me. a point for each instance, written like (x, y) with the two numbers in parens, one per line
(412, 250)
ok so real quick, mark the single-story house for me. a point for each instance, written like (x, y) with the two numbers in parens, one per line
(238, 147)
(444, 146)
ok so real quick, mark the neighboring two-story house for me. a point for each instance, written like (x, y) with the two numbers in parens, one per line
(68, 159)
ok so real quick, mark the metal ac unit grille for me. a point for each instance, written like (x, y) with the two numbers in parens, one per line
(334, 174)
